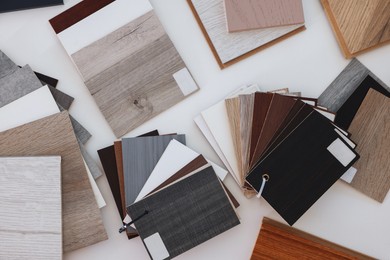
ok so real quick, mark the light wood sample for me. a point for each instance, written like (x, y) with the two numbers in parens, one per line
(370, 129)
(359, 25)
(278, 241)
(134, 73)
(229, 48)
(256, 14)
(53, 135)
(246, 117)
(30, 220)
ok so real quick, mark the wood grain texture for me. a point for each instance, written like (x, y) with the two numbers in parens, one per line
(76, 13)
(359, 25)
(114, 70)
(82, 223)
(25, 183)
(119, 165)
(345, 84)
(246, 117)
(278, 241)
(370, 129)
(231, 48)
(248, 14)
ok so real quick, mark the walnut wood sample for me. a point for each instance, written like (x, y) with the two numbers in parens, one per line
(370, 129)
(278, 241)
(82, 223)
(359, 25)
(248, 14)
(25, 183)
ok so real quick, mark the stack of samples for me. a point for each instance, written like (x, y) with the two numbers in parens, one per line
(282, 147)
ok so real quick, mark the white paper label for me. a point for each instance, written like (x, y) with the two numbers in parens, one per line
(341, 152)
(349, 175)
(156, 247)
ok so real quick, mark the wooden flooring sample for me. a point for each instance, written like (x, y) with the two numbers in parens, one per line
(359, 25)
(229, 48)
(278, 241)
(246, 117)
(370, 129)
(244, 15)
(82, 223)
(114, 66)
(25, 183)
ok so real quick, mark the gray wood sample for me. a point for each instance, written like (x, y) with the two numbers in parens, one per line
(92, 165)
(82, 134)
(130, 73)
(370, 129)
(53, 135)
(6, 65)
(140, 156)
(30, 220)
(61, 98)
(345, 84)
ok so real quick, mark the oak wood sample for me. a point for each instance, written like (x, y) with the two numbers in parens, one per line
(359, 25)
(246, 117)
(229, 48)
(370, 129)
(278, 241)
(82, 223)
(246, 14)
(25, 183)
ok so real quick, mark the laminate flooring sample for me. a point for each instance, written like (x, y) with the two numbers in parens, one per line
(11, 5)
(7, 66)
(61, 98)
(370, 129)
(359, 25)
(82, 223)
(279, 241)
(229, 48)
(114, 64)
(140, 156)
(246, 117)
(345, 84)
(25, 183)
(244, 15)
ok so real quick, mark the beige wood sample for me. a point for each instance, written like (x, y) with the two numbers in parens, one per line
(30, 220)
(54, 135)
(256, 14)
(359, 25)
(370, 129)
(246, 117)
(134, 73)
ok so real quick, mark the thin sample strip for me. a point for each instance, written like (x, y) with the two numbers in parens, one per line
(92, 165)
(82, 223)
(359, 25)
(246, 117)
(229, 48)
(24, 185)
(61, 98)
(7, 66)
(248, 15)
(278, 241)
(11, 5)
(371, 130)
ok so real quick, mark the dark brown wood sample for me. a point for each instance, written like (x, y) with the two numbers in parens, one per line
(77, 13)
(278, 241)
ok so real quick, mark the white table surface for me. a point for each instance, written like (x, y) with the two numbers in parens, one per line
(307, 62)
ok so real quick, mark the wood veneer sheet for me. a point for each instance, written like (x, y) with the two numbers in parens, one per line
(246, 121)
(114, 64)
(246, 14)
(359, 25)
(371, 130)
(24, 187)
(345, 84)
(278, 241)
(82, 223)
(229, 48)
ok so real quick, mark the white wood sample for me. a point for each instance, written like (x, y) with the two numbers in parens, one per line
(30, 220)
(98, 195)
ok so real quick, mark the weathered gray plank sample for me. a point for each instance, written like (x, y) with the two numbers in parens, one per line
(61, 98)
(82, 134)
(134, 73)
(345, 84)
(92, 165)
(82, 223)
(30, 220)
(140, 156)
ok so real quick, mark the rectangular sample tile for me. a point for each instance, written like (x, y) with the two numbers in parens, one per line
(113, 64)
(61, 98)
(11, 5)
(7, 66)
(25, 183)
(278, 241)
(82, 223)
(188, 225)
(345, 84)
(248, 15)
(140, 156)
(359, 25)
(370, 129)
(229, 48)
